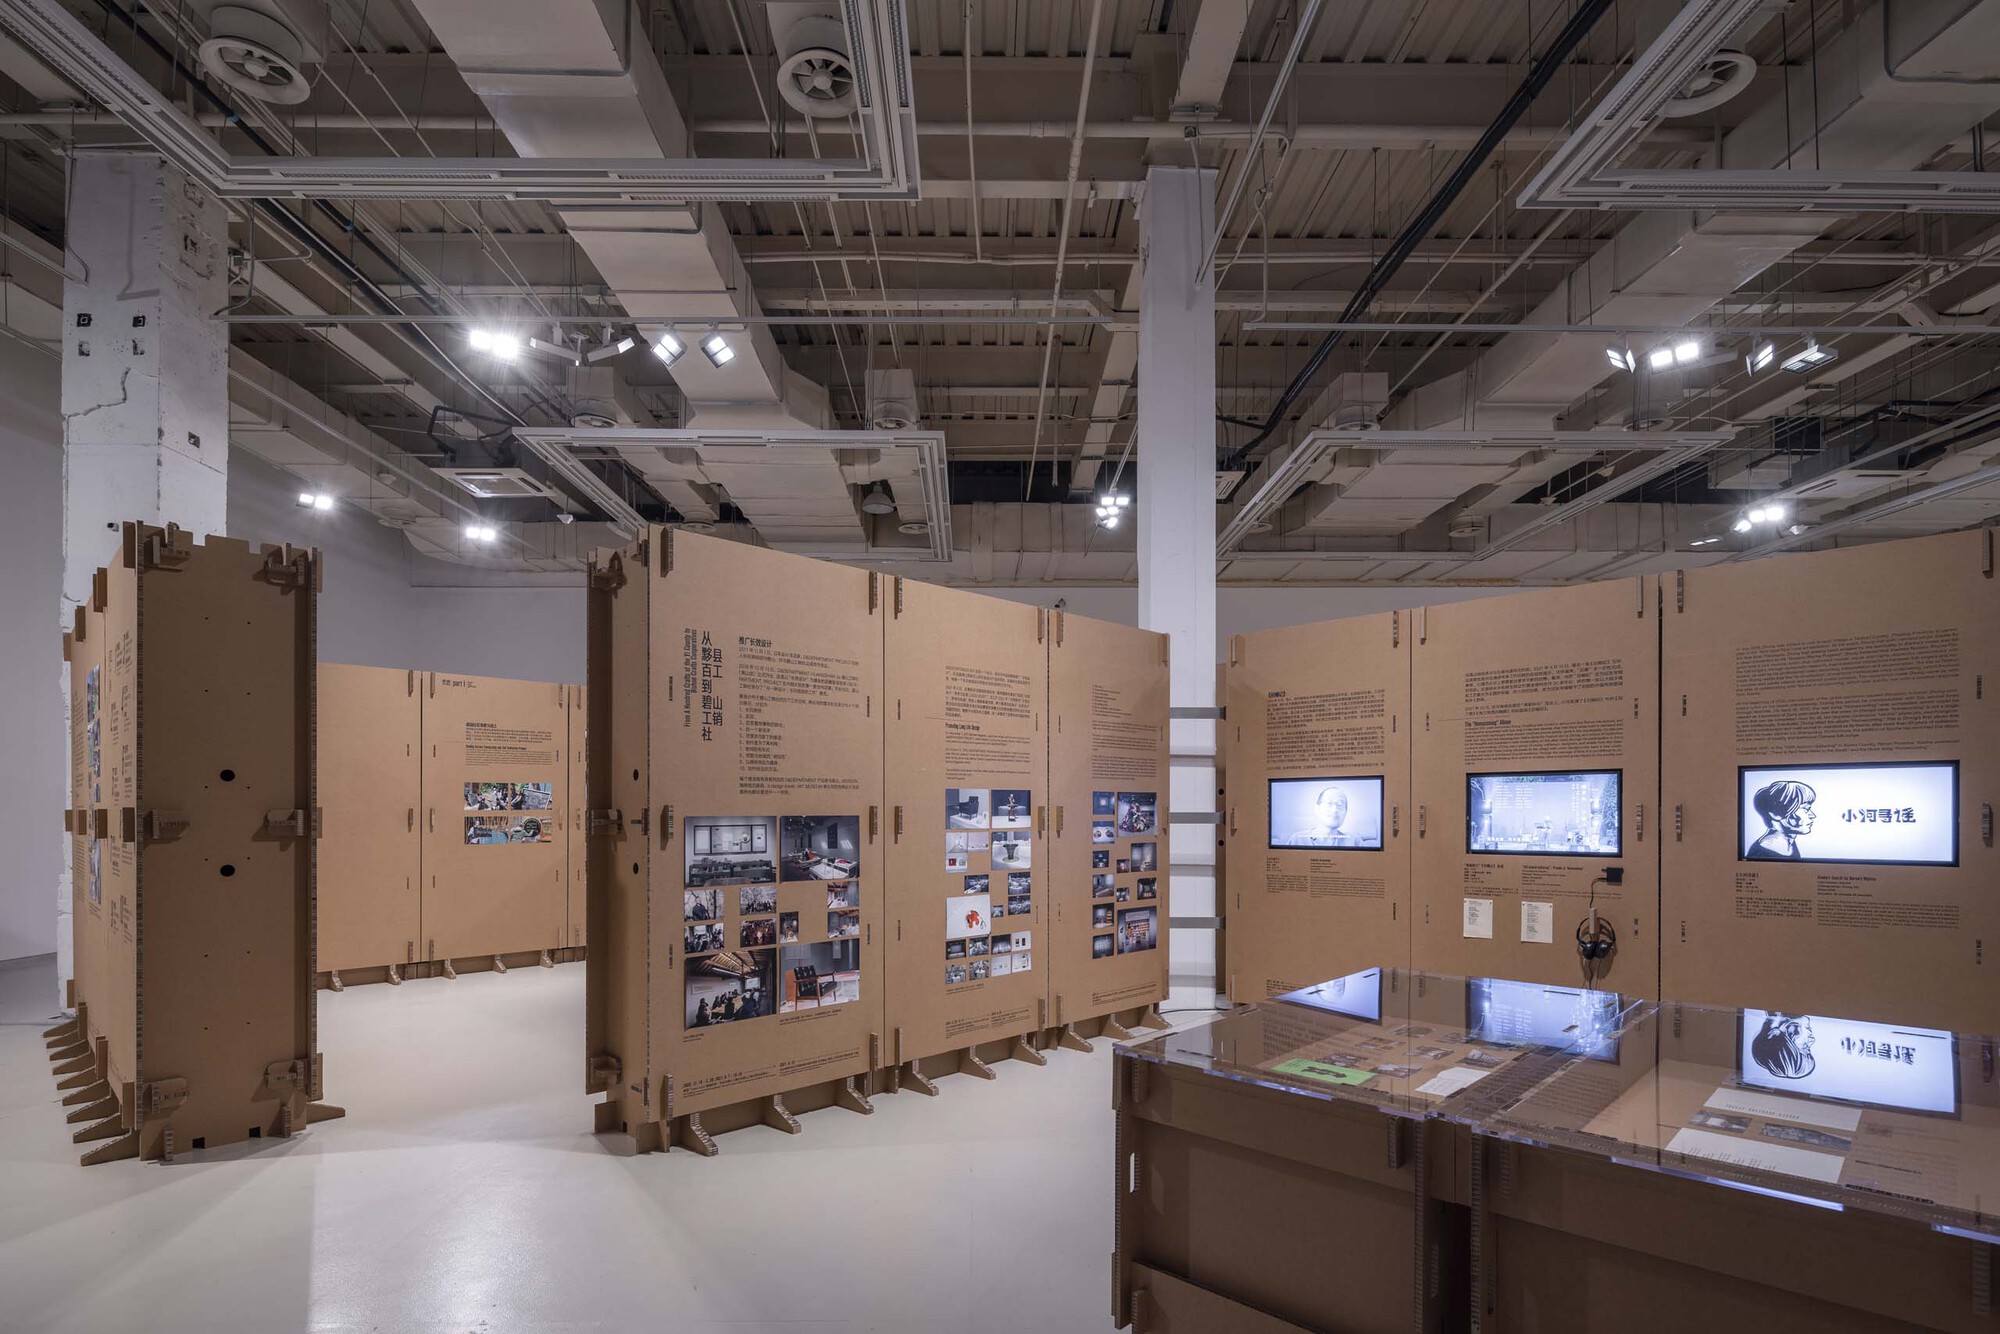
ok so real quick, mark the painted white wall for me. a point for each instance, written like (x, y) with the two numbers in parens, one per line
(1240, 610)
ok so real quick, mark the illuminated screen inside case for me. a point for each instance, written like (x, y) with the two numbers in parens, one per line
(1884, 1065)
(1358, 996)
(1881, 814)
(1544, 814)
(1327, 813)
(1533, 1014)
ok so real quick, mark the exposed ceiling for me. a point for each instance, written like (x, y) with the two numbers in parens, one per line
(638, 170)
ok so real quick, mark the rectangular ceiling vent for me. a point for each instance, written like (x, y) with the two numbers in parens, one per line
(498, 483)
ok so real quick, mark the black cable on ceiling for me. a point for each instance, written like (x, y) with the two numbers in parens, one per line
(1420, 226)
(305, 235)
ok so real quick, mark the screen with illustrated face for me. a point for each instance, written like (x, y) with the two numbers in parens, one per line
(1532, 1014)
(1883, 1065)
(1358, 996)
(1545, 814)
(1327, 813)
(1881, 814)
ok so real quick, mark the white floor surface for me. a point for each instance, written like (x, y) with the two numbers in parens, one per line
(465, 1192)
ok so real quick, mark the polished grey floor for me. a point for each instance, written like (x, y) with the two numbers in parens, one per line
(464, 1192)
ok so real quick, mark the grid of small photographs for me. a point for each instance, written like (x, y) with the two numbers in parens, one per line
(488, 822)
(759, 889)
(1125, 864)
(989, 846)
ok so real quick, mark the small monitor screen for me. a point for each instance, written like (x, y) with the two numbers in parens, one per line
(1537, 1015)
(1878, 814)
(1358, 996)
(1883, 1065)
(1544, 814)
(1327, 813)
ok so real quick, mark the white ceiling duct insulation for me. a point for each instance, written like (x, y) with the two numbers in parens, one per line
(1912, 62)
(601, 172)
(263, 48)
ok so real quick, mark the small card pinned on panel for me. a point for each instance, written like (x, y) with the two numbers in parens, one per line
(1479, 919)
(1538, 923)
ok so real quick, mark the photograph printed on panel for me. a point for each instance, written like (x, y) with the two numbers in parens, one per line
(820, 847)
(491, 830)
(531, 796)
(730, 849)
(967, 808)
(701, 905)
(811, 977)
(1013, 808)
(1138, 812)
(731, 986)
(1138, 929)
(1012, 853)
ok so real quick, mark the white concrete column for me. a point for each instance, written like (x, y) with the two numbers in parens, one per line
(145, 366)
(1176, 516)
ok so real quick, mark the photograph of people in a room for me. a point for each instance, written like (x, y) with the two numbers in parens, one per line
(1103, 831)
(1137, 929)
(1100, 859)
(1012, 852)
(1100, 916)
(820, 847)
(482, 830)
(966, 808)
(788, 928)
(1100, 947)
(1145, 857)
(536, 796)
(977, 884)
(1003, 944)
(843, 896)
(966, 916)
(701, 905)
(977, 970)
(730, 849)
(704, 937)
(757, 931)
(1124, 893)
(1012, 808)
(978, 946)
(1138, 812)
(751, 899)
(1104, 803)
(954, 973)
(1149, 887)
(731, 986)
(840, 925)
(811, 977)
(1100, 886)
(1020, 885)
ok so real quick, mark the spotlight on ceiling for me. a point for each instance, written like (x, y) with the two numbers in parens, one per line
(669, 348)
(718, 350)
(878, 500)
(315, 500)
(1761, 358)
(1621, 357)
(1687, 351)
(1740, 526)
(1704, 541)
(479, 532)
(1660, 358)
(1809, 358)
(502, 346)
(1111, 508)
(568, 354)
(610, 350)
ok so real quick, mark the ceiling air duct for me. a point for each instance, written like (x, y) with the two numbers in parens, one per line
(892, 400)
(261, 49)
(815, 70)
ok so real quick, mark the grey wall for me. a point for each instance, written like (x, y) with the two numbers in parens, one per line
(1239, 610)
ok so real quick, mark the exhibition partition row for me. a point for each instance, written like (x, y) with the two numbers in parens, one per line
(192, 819)
(848, 832)
(449, 823)
(1767, 783)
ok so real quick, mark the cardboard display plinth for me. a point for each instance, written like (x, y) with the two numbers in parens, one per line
(196, 1016)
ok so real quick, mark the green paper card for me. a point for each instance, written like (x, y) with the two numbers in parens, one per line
(1321, 1073)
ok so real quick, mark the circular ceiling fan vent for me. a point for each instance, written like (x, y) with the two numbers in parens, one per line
(1721, 77)
(816, 76)
(256, 55)
(591, 420)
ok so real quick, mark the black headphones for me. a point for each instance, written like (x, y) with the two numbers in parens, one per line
(1596, 942)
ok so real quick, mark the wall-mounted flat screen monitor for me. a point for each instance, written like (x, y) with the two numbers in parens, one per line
(1881, 1065)
(1872, 814)
(1575, 814)
(1532, 1014)
(1358, 996)
(1327, 813)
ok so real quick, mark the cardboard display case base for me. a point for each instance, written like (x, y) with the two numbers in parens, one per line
(1118, 1026)
(395, 974)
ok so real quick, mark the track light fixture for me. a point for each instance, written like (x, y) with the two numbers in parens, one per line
(1111, 508)
(718, 350)
(315, 500)
(563, 351)
(495, 343)
(1760, 358)
(668, 348)
(479, 532)
(611, 349)
(1809, 358)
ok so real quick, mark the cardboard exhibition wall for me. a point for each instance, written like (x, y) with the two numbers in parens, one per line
(1319, 715)
(736, 929)
(576, 890)
(495, 837)
(1547, 684)
(1107, 876)
(83, 649)
(198, 752)
(370, 785)
(966, 693)
(1835, 671)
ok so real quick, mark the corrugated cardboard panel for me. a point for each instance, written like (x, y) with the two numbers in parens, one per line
(371, 794)
(762, 816)
(618, 850)
(496, 793)
(1108, 702)
(578, 888)
(1883, 654)
(86, 719)
(1544, 683)
(1329, 703)
(967, 690)
(115, 1015)
(226, 656)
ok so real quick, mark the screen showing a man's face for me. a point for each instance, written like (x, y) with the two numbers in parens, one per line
(1332, 809)
(1343, 812)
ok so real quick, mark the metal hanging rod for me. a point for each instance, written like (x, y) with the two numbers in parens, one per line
(721, 322)
(1621, 330)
